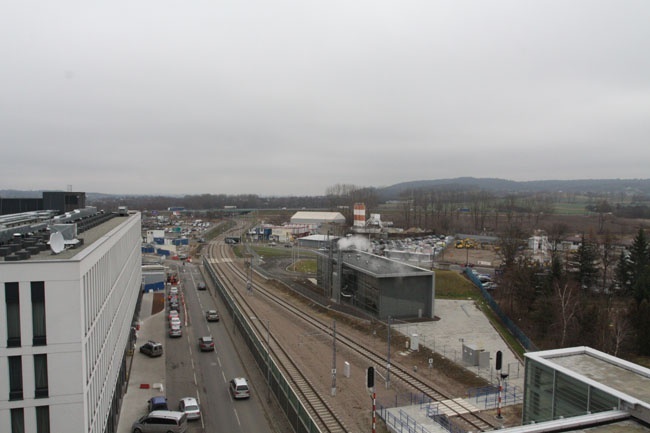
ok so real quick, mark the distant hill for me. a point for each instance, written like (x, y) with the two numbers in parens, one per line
(494, 185)
(502, 186)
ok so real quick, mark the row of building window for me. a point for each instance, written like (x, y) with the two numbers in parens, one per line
(41, 388)
(12, 301)
(42, 420)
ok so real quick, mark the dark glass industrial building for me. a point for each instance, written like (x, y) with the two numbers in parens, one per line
(377, 286)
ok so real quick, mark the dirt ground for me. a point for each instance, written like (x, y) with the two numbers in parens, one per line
(478, 257)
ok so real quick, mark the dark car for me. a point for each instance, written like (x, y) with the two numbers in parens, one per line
(151, 349)
(206, 344)
(201, 286)
(212, 316)
(157, 403)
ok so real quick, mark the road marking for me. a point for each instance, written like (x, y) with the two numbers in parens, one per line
(237, 416)
(224, 377)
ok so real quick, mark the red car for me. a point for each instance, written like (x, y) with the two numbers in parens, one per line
(206, 344)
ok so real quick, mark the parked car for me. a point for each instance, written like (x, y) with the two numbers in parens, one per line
(190, 407)
(484, 278)
(239, 388)
(157, 403)
(489, 285)
(161, 421)
(206, 344)
(212, 316)
(175, 331)
(151, 349)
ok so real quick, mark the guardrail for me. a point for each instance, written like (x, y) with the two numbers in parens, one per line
(297, 415)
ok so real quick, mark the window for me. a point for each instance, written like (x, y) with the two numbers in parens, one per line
(38, 313)
(18, 420)
(13, 314)
(42, 419)
(15, 378)
(40, 376)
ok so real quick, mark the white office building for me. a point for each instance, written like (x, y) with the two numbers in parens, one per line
(65, 327)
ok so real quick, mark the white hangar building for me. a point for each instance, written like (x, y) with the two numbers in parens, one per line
(317, 218)
(66, 325)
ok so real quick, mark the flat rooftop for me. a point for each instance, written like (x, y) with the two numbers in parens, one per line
(380, 267)
(627, 381)
(88, 237)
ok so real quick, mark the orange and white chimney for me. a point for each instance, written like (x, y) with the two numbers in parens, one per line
(359, 215)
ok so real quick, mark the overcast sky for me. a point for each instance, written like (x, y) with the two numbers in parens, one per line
(288, 97)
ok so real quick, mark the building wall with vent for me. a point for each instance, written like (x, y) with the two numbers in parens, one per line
(89, 303)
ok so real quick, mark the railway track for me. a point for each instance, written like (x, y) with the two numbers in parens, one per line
(320, 411)
(235, 277)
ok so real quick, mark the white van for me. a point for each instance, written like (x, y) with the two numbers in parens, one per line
(161, 421)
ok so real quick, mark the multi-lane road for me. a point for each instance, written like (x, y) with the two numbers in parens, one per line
(205, 375)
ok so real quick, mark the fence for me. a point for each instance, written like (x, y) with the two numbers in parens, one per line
(508, 323)
(488, 397)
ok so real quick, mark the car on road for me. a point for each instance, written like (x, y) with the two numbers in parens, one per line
(190, 407)
(151, 349)
(206, 343)
(239, 388)
(172, 313)
(175, 331)
(174, 321)
(212, 316)
(201, 286)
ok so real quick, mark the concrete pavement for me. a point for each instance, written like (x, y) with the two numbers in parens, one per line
(146, 376)
(461, 322)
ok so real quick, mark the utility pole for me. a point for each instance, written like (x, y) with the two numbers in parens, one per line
(388, 358)
(334, 358)
(268, 359)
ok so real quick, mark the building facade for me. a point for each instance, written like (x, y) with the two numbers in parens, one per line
(580, 381)
(65, 331)
(378, 286)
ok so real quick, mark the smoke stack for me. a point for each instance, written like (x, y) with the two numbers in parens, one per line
(359, 215)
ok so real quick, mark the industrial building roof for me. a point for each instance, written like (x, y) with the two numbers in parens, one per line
(308, 217)
(380, 267)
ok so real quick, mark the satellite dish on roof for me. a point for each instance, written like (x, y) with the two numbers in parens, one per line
(57, 243)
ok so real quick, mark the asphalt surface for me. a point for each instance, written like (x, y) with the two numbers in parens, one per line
(146, 377)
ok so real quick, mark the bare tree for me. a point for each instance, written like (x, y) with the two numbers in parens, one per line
(566, 295)
(607, 257)
(621, 331)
